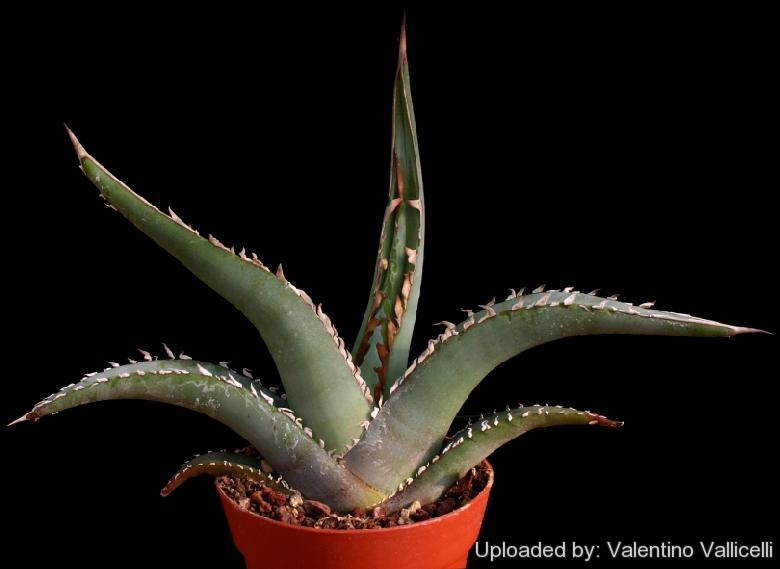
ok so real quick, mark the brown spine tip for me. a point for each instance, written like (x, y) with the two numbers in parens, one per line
(603, 421)
(402, 43)
(743, 330)
(19, 420)
(80, 152)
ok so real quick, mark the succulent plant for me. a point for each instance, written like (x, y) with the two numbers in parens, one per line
(366, 426)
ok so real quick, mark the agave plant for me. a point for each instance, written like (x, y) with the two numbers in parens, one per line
(366, 426)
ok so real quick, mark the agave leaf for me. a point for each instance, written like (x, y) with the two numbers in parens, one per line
(382, 345)
(320, 380)
(249, 411)
(222, 463)
(470, 446)
(407, 431)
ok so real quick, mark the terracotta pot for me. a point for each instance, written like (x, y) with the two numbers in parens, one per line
(438, 543)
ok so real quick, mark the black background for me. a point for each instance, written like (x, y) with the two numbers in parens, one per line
(627, 151)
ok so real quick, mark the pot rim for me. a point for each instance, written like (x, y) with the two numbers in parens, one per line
(326, 531)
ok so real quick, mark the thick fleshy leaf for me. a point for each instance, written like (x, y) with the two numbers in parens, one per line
(472, 445)
(236, 402)
(408, 430)
(382, 345)
(320, 380)
(222, 464)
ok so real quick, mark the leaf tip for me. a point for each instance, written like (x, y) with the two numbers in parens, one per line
(744, 330)
(402, 41)
(19, 420)
(80, 152)
(602, 421)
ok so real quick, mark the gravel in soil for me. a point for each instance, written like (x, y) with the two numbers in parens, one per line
(293, 509)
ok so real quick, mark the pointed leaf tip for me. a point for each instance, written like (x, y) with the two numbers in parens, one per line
(603, 421)
(743, 330)
(402, 42)
(80, 152)
(19, 420)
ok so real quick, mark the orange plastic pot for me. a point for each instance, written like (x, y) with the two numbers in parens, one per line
(438, 543)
